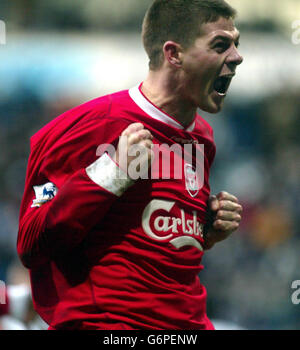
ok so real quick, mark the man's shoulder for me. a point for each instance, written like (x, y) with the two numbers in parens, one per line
(203, 127)
(103, 105)
(75, 136)
(98, 107)
(88, 112)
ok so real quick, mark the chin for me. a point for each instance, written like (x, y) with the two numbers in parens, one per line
(211, 108)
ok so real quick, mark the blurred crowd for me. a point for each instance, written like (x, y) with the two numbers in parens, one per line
(248, 277)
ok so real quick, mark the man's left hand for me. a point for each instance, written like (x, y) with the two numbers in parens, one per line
(224, 212)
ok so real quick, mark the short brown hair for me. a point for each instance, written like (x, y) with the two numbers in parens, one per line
(179, 21)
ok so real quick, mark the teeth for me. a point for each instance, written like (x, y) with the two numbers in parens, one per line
(221, 85)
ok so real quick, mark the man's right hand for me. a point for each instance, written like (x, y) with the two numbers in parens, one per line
(135, 143)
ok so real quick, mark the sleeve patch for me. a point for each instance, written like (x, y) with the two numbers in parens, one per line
(43, 193)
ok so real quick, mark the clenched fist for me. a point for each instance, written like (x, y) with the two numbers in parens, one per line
(224, 216)
(134, 153)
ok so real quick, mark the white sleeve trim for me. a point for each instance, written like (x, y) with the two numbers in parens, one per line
(105, 173)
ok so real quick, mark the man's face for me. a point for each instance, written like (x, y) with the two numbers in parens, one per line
(209, 65)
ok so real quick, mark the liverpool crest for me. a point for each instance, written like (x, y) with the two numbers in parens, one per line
(191, 180)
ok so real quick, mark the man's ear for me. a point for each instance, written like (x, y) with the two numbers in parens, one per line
(172, 53)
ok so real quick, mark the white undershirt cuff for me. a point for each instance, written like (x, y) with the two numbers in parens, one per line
(107, 174)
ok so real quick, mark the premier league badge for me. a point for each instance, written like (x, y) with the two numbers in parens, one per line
(43, 194)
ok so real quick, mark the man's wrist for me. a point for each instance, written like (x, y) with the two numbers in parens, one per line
(208, 244)
(208, 239)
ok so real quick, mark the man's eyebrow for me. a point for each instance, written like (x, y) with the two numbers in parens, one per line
(224, 38)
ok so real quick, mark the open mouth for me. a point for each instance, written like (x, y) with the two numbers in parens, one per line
(221, 85)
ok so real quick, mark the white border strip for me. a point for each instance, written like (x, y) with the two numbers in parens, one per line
(154, 112)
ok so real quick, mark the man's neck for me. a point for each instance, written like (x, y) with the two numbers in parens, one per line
(167, 95)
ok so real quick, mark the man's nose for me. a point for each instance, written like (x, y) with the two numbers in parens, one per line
(235, 58)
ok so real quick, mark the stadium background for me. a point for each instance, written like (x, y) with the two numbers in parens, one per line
(62, 53)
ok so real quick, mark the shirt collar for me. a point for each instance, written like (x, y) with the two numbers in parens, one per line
(154, 112)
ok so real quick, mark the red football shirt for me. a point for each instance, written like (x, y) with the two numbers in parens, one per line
(103, 259)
